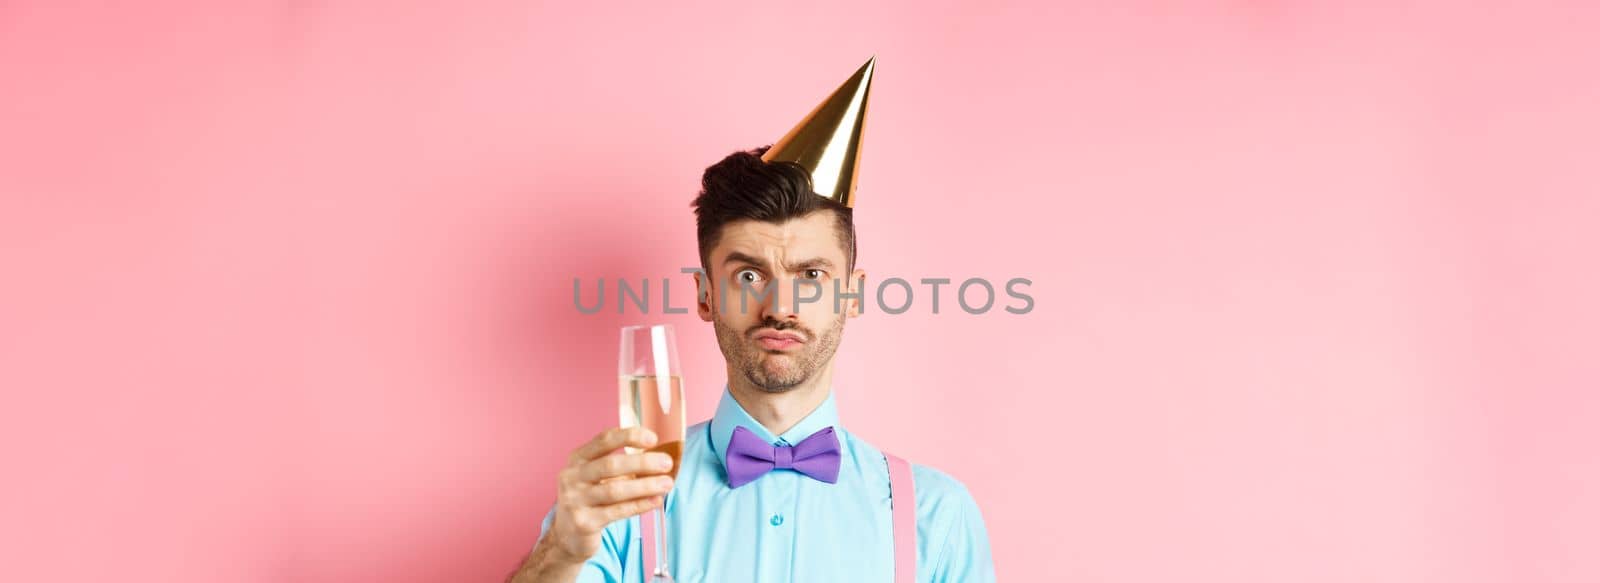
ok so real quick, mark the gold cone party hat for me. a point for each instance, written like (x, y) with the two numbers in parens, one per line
(827, 143)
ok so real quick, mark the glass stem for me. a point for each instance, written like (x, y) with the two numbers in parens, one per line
(659, 523)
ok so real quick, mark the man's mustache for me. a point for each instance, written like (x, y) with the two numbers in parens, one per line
(779, 325)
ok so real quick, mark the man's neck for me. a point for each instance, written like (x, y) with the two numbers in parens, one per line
(779, 412)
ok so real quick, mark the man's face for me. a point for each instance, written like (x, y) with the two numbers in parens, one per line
(766, 332)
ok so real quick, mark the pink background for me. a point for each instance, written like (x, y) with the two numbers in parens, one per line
(287, 285)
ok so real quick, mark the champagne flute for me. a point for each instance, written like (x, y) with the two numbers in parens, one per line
(651, 396)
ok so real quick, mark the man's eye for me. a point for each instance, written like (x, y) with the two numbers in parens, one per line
(813, 273)
(747, 275)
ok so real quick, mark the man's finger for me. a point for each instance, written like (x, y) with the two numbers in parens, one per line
(634, 507)
(612, 439)
(616, 491)
(624, 465)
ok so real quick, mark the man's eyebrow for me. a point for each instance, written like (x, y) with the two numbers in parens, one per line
(737, 257)
(813, 263)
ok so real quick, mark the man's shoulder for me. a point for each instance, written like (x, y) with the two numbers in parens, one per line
(939, 489)
(697, 436)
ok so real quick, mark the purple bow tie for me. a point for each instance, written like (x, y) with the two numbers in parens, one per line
(750, 457)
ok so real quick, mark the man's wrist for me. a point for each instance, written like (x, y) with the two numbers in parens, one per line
(551, 554)
(548, 562)
(558, 557)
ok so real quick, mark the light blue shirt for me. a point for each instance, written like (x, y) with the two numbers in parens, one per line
(788, 527)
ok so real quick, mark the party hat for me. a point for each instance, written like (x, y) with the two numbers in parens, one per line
(827, 143)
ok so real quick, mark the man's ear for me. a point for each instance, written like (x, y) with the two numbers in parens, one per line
(858, 286)
(702, 294)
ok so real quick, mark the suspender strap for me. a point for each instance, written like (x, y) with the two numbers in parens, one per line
(647, 545)
(903, 501)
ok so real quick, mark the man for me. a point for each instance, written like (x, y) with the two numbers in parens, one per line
(777, 245)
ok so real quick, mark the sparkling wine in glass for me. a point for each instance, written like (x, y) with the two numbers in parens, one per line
(650, 395)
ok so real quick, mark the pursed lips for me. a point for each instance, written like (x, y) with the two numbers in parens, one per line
(779, 339)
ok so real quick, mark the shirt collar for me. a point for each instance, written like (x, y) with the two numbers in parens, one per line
(730, 415)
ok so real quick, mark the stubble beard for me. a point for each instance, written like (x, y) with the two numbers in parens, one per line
(758, 364)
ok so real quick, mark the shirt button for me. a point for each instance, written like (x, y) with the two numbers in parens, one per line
(777, 519)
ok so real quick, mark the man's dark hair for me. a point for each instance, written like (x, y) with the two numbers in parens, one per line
(743, 186)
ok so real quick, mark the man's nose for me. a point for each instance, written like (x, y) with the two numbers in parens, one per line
(779, 303)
